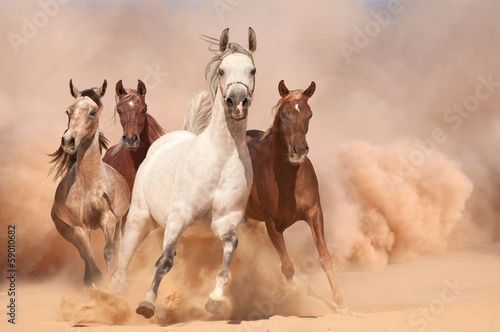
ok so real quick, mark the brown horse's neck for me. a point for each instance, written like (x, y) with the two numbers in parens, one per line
(88, 157)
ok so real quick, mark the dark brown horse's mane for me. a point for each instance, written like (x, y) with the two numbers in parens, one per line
(92, 95)
(291, 96)
(62, 161)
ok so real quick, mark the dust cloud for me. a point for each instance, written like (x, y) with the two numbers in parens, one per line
(403, 135)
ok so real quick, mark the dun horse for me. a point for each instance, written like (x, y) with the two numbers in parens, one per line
(206, 178)
(91, 193)
(285, 187)
(140, 130)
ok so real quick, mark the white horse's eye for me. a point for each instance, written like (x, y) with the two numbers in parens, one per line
(221, 72)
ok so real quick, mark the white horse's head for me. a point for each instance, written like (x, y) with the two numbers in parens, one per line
(83, 116)
(236, 74)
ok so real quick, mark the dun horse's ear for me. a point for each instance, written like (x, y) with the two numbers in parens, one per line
(102, 90)
(224, 40)
(282, 89)
(141, 88)
(120, 90)
(310, 90)
(252, 40)
(74, 91)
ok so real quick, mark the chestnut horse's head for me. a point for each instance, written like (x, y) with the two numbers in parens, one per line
(131, 107)
(83, 116)
(292, 120)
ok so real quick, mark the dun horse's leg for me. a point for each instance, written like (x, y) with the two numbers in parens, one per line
(175, 226)
(83, 237)
(279, 243)
(111, 230)
(137, 227)
(225, 228)
(68, 233)
(315, 220)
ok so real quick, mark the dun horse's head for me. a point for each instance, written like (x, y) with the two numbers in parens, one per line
(236, 75)
(131, 107)
(292, 118)
(83, 116)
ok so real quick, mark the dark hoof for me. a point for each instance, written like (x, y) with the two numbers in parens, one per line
(213, 307)
(147, 309)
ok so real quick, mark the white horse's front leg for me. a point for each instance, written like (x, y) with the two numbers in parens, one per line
(225, 228)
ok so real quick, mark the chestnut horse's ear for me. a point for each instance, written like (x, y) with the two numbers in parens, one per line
(102, 90)
(282, 89)
(252, 40)
(74, 91)
(141, 88)
(120, 90)
(224, 40)
(310, 90)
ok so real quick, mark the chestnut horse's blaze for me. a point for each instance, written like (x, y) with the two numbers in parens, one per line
(285, 187)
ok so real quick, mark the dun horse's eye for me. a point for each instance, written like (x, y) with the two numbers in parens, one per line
(221, 72)
(144, 110)
(92, 112)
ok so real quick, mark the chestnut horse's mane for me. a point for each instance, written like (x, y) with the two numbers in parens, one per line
(62, 161)
(291, 96)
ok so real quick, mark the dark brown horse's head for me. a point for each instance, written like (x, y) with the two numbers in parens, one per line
(292, 120)
(131, 107)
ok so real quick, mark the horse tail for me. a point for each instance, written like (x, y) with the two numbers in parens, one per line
(198, 112)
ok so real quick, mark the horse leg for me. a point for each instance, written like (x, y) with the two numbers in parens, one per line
(111, 230)
(315, 221)
(137, 227)
(83, 238)
(279, 243)
(68, 233)
(225, 228)
(175, 226)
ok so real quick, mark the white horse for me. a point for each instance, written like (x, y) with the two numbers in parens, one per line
(205, 178)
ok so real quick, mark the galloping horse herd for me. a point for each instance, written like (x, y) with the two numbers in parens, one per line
(213, 172)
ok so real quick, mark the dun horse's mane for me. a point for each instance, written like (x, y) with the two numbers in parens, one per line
(291, 96)
(62, 161)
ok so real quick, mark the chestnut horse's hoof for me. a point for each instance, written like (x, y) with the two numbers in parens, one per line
(147, 309)
(213, 306)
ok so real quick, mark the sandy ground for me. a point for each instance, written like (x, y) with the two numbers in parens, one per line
(458, 290)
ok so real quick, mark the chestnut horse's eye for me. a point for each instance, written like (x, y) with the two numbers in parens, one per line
(118, 111)
(92, 112)
(221, 72)
(144, 110)
(284, 115)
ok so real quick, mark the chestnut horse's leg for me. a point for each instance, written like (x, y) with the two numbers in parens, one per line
(279, 243)
(315, 221)
(92, 272)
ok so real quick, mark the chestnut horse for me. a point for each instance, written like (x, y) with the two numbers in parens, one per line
(140, 130)
(91, 193)
(285, 187)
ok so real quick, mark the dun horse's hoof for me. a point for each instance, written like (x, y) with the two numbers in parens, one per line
(147, 309)
(344, 311)
(213, 306)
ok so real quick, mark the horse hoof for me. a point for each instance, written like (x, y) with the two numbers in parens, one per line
(344, 311)
(146, 309)
(213, 306)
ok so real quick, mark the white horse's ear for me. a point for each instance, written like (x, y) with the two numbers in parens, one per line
(74, 91)
(282, 89)
(252, 40)
(120, 90)
(141, 88)
(102, 90)
(310, 90)
(224, 40)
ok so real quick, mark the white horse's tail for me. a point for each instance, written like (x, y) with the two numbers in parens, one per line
(198, 112)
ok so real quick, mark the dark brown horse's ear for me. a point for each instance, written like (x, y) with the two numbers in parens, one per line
(282, 89)
(141, 88)
(74, 91)
(102, 90)
(310, 90)
(224, 40)
(252, 40)
(120, 90)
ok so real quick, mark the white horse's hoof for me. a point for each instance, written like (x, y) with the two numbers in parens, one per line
(344, 311)
(146, 309)
(214, 306)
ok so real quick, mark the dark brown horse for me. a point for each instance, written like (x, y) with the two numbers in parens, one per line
(285, 187)
(140, 130)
